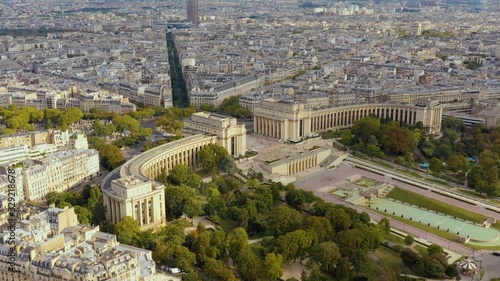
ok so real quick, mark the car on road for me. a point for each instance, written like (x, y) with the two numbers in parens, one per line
(496, 254)
(479, 259)
(174, 270)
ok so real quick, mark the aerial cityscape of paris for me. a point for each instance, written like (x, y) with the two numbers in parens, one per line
(249, 140)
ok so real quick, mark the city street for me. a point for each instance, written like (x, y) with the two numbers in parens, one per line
(151, 123)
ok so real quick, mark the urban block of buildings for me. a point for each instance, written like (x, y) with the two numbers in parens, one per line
(52, 245)
(46, 161)
(41, 100)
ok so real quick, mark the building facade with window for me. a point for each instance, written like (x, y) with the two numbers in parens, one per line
(289, 120)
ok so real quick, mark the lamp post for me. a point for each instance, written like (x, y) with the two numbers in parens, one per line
(480, 265)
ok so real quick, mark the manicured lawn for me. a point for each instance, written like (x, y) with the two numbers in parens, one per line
(435, 205)
(386, 257)
(410, 173)
(421, 249)
(383, 164)
(395, 239)
(472, 193)
(443, 183)
(228, 225)
(359, 155)
(390, 258)
(370, 268)
(483, 247)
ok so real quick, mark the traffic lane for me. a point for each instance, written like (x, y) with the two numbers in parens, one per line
(151, 123)
(490, 264)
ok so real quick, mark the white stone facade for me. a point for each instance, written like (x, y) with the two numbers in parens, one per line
(290, 120)
(230, 134)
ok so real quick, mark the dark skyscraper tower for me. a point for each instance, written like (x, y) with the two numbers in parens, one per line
(192, 11)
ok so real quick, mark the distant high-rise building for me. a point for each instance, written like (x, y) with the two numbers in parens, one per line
(192, 11)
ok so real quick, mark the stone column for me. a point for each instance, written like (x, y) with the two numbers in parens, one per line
(146, 213)
(139, 210)
(279, 129)
(112, 214)
(153, 214)
(264, 127)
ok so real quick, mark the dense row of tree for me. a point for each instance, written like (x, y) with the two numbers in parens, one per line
(230, 106)
(447, 154)
(380, 137)
(485, 177)
(179, 89)
(171, 120)
(27, 118)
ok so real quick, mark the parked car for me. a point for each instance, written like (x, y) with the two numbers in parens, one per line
(174, 270)
(479, 259)
(496, 254)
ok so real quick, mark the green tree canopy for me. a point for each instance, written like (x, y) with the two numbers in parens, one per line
(326, 255)
(126, 122)
(211, 156)
(127, 230)
(176, 198)
(272, 267)
(365, 127)
(435, 165)
(283, 220)
(111, 156)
